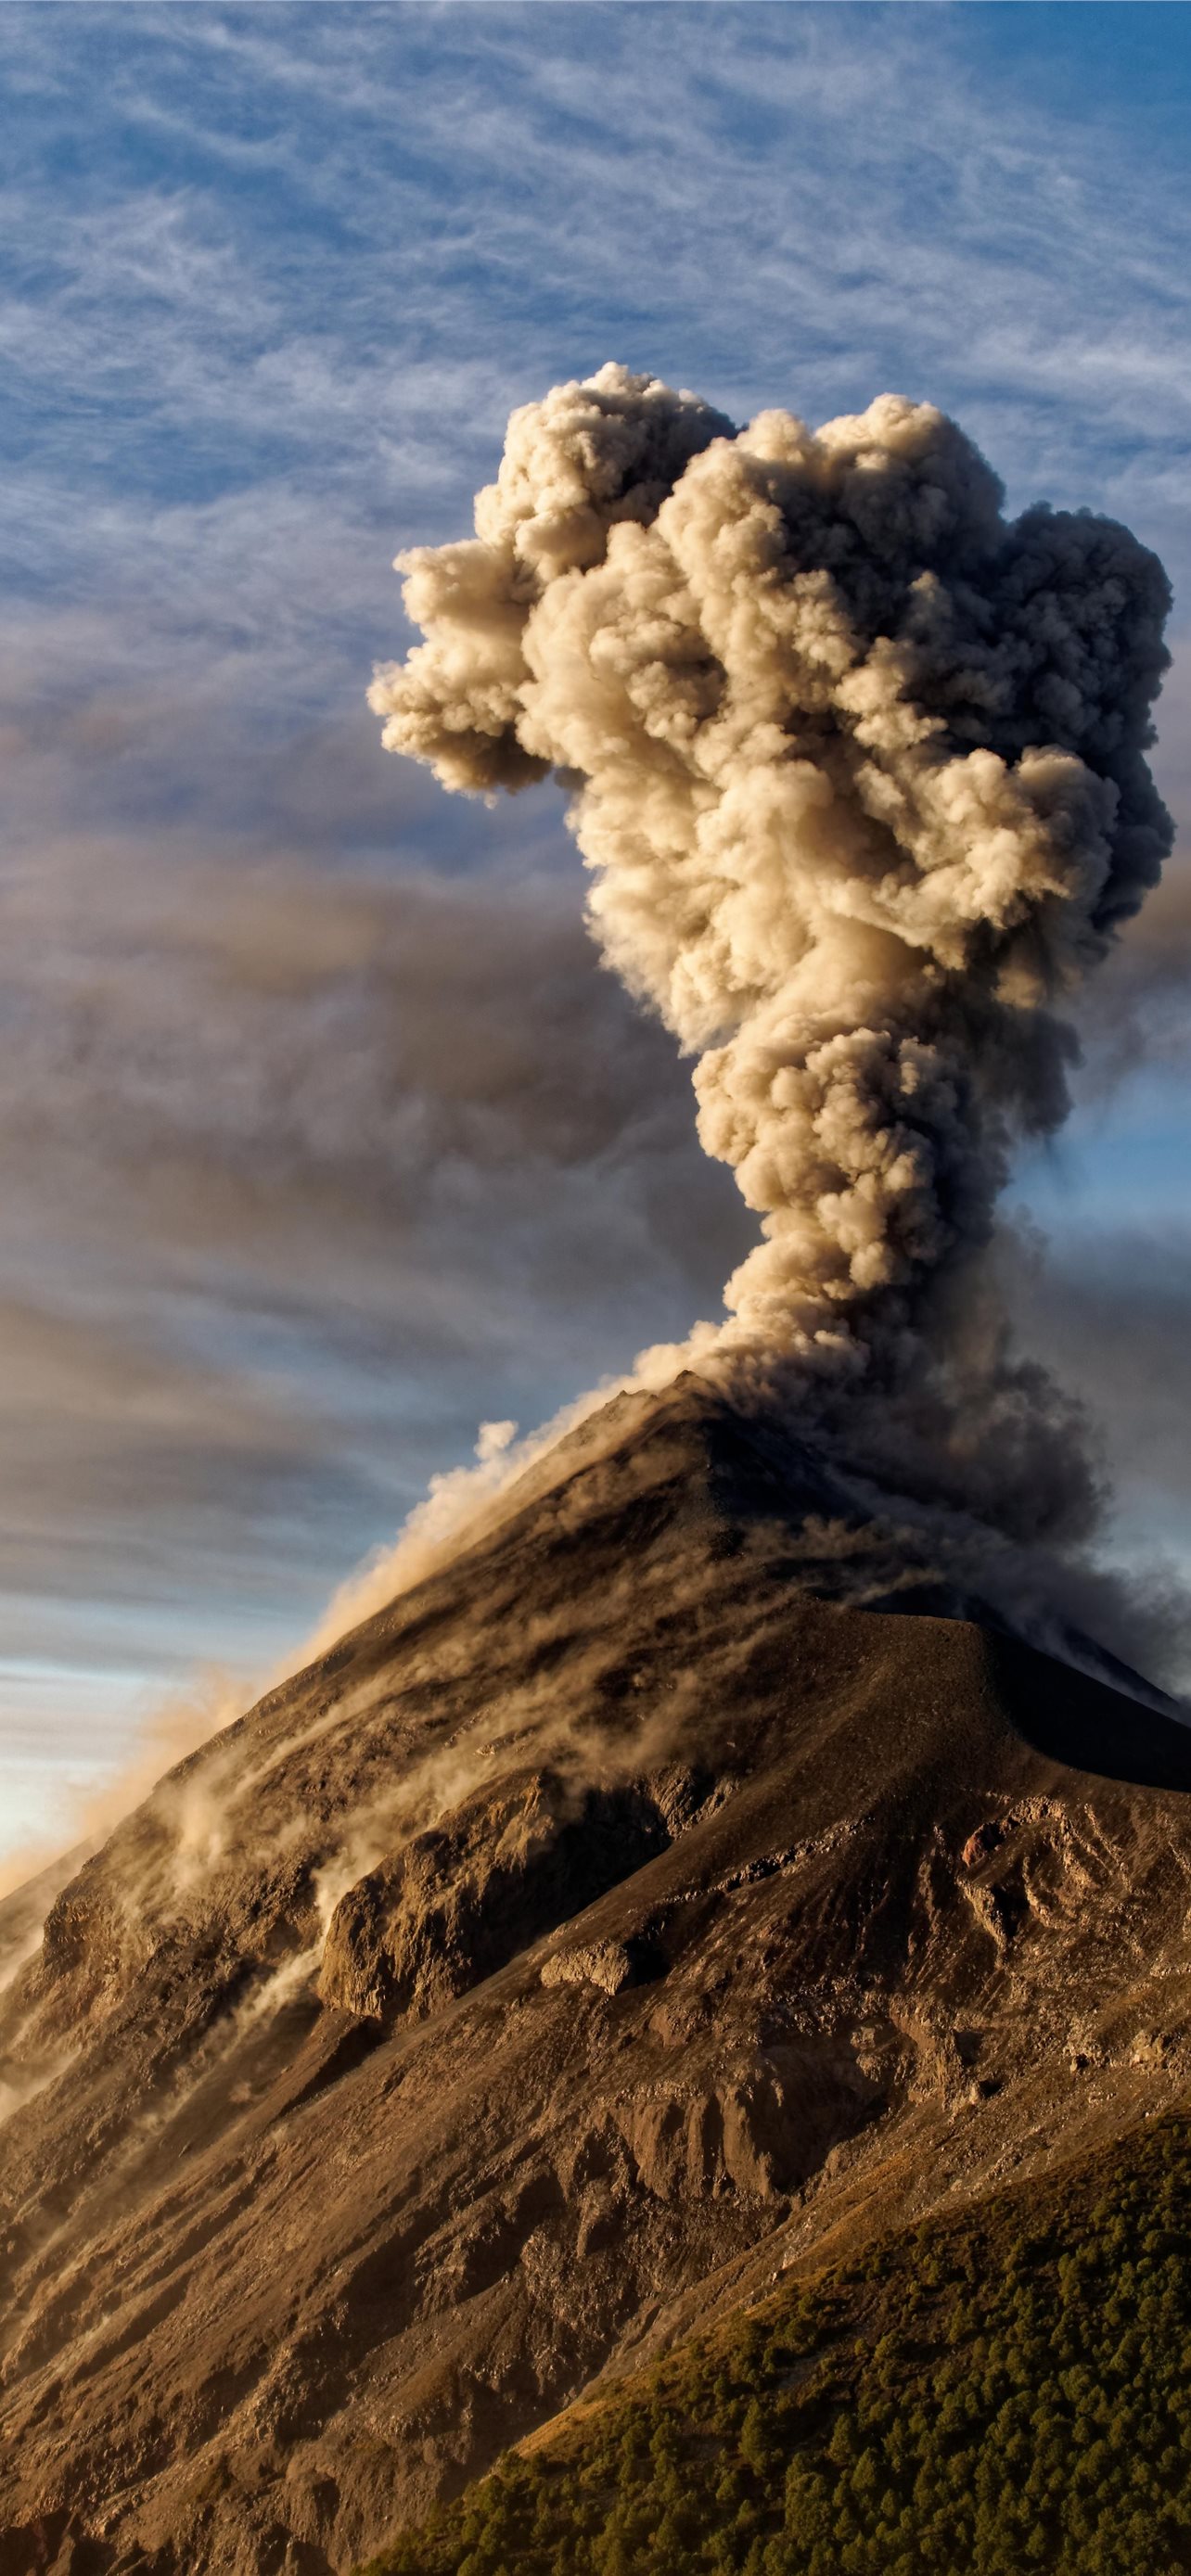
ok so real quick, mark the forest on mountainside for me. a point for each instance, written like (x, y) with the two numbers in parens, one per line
(996, 2392)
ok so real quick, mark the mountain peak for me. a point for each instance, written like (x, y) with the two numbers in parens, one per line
(619, 1915)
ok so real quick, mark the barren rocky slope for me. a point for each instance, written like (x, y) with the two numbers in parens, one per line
(615, 1922)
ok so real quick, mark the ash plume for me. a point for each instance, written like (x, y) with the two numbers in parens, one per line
(858, 768)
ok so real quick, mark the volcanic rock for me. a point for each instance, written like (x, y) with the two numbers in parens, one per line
(619, 1918)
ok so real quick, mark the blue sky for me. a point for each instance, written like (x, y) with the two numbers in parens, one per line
(322, 1136)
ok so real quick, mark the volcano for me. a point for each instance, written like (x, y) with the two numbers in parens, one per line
(674, 1892)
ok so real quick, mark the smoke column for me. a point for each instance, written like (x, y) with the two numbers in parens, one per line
(858, 769)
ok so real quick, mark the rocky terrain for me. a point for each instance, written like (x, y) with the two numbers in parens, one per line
(619, 1922)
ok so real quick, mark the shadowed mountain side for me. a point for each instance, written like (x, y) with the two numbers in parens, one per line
(610, 1922)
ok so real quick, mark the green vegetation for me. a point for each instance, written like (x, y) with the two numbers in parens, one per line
(1005, 2392)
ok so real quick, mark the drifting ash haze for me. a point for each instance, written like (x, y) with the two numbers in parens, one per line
(858, 768)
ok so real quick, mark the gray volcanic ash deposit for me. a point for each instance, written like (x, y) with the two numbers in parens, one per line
(619, 1917)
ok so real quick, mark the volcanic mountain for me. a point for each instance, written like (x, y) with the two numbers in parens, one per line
(621, 1921)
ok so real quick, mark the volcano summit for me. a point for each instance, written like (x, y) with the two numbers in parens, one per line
(621, 1920)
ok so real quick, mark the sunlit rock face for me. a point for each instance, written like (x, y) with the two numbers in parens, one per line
(663, 1894)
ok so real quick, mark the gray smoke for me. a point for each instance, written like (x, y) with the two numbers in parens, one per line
(859, 771)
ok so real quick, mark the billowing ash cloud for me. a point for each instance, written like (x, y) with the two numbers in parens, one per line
(858, 768)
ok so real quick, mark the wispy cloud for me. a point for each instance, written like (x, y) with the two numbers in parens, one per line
(306, 228)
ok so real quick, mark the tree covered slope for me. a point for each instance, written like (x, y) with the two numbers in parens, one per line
(1003, 2392)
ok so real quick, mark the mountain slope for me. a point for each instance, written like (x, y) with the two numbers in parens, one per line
(1003, 2390)
(611, 1924)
